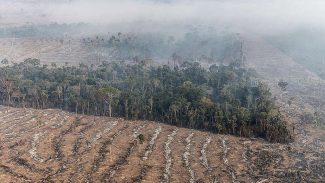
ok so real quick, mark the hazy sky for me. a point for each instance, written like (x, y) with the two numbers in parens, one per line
(257, 15)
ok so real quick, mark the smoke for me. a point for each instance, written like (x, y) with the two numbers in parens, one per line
(251, 15)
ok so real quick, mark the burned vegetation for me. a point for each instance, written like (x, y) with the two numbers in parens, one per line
(167, 154)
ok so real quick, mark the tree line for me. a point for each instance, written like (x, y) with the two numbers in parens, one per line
(194, 45)
(221, 99)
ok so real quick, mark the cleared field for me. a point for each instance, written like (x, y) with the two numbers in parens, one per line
(52, 50)
(57, 146)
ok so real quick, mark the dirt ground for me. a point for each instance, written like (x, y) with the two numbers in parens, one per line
(57, 146)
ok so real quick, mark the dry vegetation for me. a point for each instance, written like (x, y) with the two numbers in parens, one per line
(56, 146)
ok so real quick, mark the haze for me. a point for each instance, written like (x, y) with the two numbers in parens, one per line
(255, 15)
(162, 91)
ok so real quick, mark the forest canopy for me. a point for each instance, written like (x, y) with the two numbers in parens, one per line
(221, 99)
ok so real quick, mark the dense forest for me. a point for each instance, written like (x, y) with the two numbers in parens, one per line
(223, 99)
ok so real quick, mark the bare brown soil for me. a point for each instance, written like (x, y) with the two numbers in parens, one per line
(66, 148)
